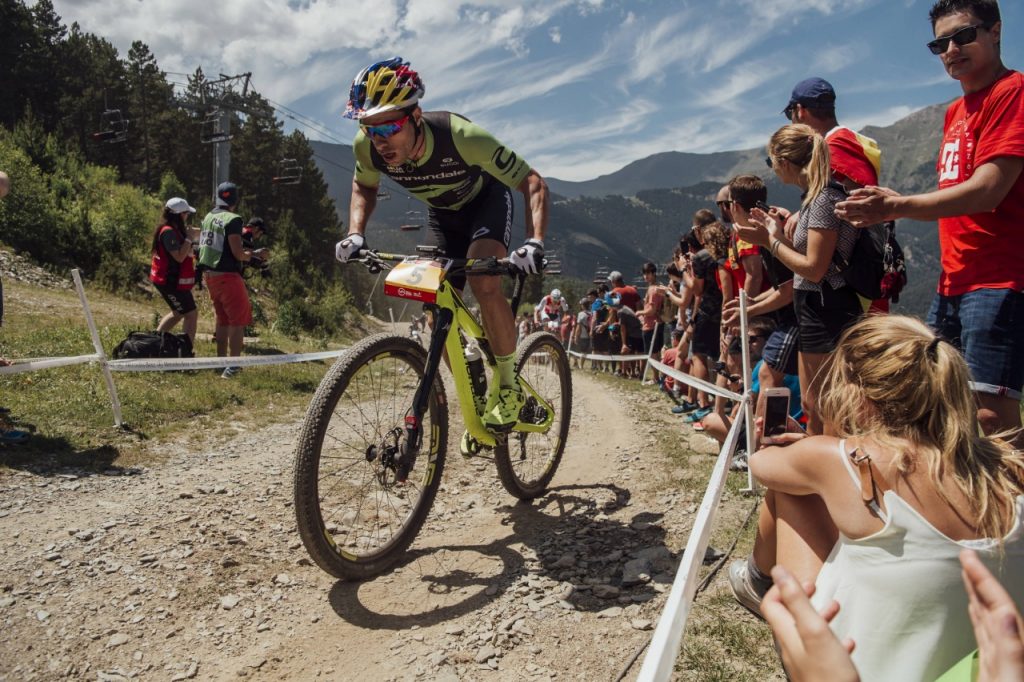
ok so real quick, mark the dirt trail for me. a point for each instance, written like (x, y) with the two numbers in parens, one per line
(191, 568)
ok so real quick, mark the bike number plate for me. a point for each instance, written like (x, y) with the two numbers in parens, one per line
(417, 280)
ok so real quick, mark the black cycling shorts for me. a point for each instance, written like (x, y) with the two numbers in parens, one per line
(180, 302)
(488, 216)
(707, 334)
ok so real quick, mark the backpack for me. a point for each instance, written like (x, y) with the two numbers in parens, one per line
(669, 310)
(876, 268)
(154, 345)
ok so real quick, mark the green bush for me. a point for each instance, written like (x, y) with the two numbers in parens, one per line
(29, 219)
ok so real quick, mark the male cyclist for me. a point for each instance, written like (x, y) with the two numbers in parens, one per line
(464, 176)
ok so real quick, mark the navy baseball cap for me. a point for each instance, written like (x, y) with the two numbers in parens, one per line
(227, 194)
(812, 92)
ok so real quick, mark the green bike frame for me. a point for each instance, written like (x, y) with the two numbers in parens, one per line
(453, 321)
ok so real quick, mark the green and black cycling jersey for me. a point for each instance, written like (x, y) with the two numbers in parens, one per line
(460, 160)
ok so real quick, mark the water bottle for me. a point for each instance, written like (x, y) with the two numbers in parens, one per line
(477, 375)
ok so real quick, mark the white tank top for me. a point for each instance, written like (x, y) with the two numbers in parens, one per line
(900, 593)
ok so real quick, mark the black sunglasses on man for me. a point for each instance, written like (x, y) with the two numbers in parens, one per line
(964, 36)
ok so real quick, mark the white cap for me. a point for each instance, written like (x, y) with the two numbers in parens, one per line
(178, 205)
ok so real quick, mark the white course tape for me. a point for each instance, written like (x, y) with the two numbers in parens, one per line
(699, 384)
(608, 358)
(164, 364)
(33, 364)
(661, 656)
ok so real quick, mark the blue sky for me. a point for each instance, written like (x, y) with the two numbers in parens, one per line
(578, 87)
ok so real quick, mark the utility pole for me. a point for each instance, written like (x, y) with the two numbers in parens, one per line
(221, 96)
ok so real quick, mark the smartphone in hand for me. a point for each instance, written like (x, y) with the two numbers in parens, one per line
(776, 412)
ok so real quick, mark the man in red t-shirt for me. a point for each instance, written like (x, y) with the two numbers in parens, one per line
(627, 292)
(980, 208)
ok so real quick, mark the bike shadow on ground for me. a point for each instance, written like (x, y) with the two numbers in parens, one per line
(565, 538)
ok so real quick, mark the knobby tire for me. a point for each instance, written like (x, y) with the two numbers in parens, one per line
(346, 413)
(527, 462)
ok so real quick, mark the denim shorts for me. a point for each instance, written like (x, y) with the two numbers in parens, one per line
(780, 350)
(987, 325)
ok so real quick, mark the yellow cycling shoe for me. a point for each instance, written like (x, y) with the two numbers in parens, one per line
(469, 446)
(503, 406)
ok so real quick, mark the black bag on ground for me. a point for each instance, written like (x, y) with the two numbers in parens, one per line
(154, 345)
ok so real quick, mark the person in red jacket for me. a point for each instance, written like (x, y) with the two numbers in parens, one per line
(172, 270)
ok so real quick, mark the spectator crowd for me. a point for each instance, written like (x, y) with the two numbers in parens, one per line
(895, 487)
(895, 490)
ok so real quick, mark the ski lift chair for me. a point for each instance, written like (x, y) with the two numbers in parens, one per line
(289, 172)
(113, 127)
(211, 131)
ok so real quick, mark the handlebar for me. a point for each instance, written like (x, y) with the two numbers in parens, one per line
(375, 261)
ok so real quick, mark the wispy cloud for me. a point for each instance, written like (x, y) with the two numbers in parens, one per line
(882, 117)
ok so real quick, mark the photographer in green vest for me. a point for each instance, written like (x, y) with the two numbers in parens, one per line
(221, 256)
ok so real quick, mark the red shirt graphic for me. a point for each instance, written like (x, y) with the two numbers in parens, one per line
(983, 250)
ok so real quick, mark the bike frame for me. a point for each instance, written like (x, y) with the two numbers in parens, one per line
(453, 321)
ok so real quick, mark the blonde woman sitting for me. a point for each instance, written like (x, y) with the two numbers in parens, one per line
(877, 515)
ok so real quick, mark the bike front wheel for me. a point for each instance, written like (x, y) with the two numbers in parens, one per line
(357, 513)
(527, 461)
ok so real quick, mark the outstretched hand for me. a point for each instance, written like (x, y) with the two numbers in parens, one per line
(868, 206)
(810, 651)
(996, 620)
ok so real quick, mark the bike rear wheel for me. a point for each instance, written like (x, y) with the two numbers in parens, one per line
(354, 516)
(527, 461)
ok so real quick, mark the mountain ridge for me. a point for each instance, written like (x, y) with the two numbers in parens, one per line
(638, 212)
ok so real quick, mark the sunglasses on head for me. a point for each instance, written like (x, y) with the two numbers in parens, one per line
(386, 130)
(964, 36)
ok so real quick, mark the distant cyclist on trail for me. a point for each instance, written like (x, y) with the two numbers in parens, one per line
(464, 175)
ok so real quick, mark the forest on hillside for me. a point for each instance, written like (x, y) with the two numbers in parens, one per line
(95, 142)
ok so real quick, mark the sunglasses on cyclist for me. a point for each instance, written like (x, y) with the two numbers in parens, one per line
(386, 130)
(965, 36)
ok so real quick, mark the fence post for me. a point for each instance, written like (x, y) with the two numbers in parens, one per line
(748, 412)
(650, 351)
(115, 403)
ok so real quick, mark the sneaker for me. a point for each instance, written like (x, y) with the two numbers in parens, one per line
(230, 372)
(684, 407)
(503, 406)
(743, 588)
(469, 446)
(13, 437)
(739, 461)
(696, 416)
(698, 427)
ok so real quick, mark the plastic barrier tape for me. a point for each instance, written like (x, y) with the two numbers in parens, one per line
(608, 358)
(661, 656)
(165, 364)
(699, 384)
(34, 364)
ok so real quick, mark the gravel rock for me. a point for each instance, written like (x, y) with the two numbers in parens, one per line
(117, 639)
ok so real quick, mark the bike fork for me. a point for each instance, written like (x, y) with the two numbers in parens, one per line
(421, 401)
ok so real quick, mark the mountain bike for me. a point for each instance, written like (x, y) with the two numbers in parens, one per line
(373, 444)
